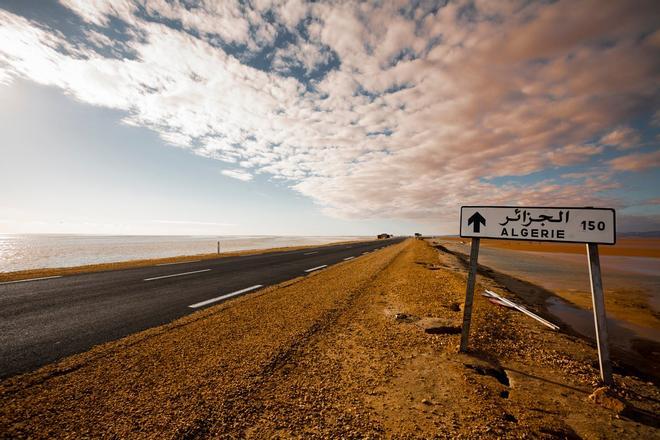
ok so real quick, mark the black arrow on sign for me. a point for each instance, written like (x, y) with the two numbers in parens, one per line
(478, 220)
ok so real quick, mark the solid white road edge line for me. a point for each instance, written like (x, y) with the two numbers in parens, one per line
(31, 279)
(176, 275)
(178, 262)
(311, 253)
(220, 298)
(316, 268)
(348, 258)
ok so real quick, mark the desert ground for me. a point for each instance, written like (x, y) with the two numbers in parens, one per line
(365, 349)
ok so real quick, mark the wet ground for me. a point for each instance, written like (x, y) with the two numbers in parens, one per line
(632, 327)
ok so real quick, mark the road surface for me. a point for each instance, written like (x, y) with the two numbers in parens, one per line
(44, 320)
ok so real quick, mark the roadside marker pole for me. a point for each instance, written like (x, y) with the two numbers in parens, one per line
(469, 294)
(599, 314)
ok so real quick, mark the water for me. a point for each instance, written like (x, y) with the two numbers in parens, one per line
(21, 252)
(569, 272)
(622, 333)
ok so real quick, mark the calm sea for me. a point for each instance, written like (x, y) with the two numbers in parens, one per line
(20, 252)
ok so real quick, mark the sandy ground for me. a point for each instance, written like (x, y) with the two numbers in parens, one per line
(61, 271)
(342, 353)
(625, 247)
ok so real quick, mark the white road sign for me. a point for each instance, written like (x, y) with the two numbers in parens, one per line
(572, 225)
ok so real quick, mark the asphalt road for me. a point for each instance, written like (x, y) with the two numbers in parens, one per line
(44, 320)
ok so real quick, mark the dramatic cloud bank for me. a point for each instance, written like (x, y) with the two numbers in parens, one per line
(373, 110)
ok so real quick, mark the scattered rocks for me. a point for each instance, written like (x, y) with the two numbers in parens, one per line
(510, 418)
(604, 397)
(495, 372)
(404, 317)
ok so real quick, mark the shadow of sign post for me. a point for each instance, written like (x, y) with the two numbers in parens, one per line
(592, 226)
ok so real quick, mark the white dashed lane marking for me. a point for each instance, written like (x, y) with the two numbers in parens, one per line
(31, 279)
(220, 298)
(316, 268)
(176, 275)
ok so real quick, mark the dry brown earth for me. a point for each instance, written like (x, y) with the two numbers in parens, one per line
(343, 353)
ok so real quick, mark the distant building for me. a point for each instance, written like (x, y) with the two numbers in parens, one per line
(382, 236)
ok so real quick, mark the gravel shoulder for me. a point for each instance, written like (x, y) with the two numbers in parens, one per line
(364, 349)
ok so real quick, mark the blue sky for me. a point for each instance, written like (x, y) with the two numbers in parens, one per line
(155, 117)
(130, 182)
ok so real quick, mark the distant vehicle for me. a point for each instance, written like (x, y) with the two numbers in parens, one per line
(418, 235)
(383, 236)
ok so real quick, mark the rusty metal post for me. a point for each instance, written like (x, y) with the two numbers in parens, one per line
(599, 314)
(469, 294)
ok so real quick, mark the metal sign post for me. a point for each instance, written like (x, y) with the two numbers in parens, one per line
(592, 226)
(469, 294)
(598, 301)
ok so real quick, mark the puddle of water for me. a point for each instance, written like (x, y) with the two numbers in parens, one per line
(557, 271)
(615, 263)
(569, 272)
(621, 333)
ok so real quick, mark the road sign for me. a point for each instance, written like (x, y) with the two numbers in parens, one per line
(571, 225)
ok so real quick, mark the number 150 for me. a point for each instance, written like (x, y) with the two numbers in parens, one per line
(591, 225)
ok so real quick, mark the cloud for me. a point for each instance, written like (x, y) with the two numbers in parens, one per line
(420, 111)
(622, 138)
(636, 162)
(302, 55)
(573, 154)
(237, 174)
(99, 12)
(194, 223)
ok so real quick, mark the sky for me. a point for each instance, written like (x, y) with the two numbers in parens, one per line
(325, 118)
